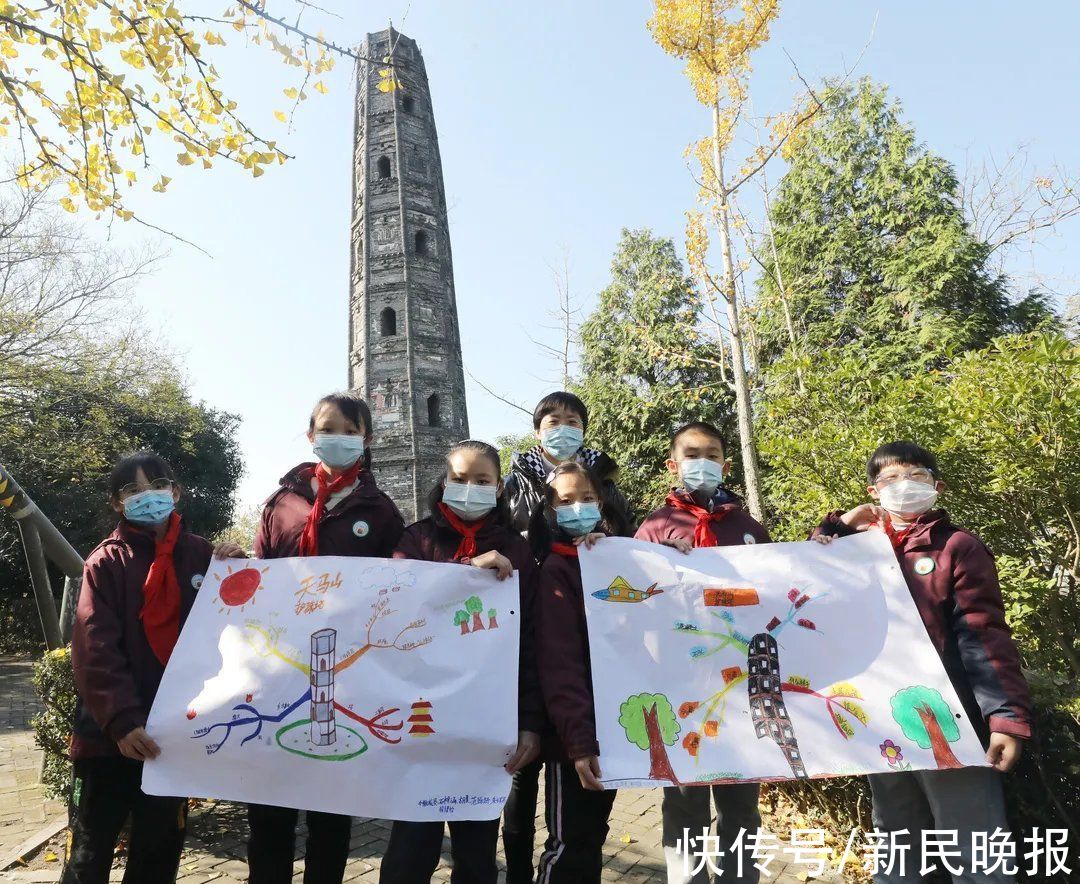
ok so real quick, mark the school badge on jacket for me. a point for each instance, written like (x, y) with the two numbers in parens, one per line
(361, 528)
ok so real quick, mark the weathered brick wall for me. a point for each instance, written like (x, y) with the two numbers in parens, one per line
(404, 341)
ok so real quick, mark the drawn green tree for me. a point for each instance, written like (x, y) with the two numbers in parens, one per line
(927, 720)
(492, 622)
(462, 619)
(474, 606)
(650, 723)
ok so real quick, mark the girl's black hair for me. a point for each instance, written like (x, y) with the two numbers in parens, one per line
(501, 514)
(541, 533)
(153, 466)
(354, 409)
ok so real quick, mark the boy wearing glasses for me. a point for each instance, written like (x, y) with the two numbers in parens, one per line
(954, 583)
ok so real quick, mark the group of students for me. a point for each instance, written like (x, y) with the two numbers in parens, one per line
(141, 581)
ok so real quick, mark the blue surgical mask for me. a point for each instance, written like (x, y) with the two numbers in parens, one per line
(470, 501)
(701, 474)
(577, 519)
(149, 507)
(563, 441)
(339, 452)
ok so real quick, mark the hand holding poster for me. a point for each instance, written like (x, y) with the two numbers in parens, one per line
(778, 661)
(360, 686)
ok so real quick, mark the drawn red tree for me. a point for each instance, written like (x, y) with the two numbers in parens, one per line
(650, 723)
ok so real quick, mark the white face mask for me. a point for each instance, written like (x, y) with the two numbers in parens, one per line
(908, 497)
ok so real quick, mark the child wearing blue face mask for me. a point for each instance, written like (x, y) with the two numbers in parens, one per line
(138, 586)
(469, 524)
(701, 512)
(560, 421)
(576, 805)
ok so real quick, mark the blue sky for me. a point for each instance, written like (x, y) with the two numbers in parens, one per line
(560, 123)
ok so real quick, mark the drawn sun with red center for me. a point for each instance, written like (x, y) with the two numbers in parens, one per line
(238, 588)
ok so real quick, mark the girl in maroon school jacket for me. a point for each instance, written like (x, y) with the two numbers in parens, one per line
(138, 586)
(576, 805)
(331, 507)
(470, 524)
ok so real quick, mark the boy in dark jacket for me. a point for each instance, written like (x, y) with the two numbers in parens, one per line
(138, 587)
(560, 420)
(954, 584)
(700, 512)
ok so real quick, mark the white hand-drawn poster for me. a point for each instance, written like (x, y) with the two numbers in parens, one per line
(358, 686)
(778, 661)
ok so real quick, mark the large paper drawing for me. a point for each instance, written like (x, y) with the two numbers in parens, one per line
(400, 673)
(766, 662)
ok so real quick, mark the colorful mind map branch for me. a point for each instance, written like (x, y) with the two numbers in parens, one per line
(841, 696)
(797, 601)
(321, 740)
(709, 713)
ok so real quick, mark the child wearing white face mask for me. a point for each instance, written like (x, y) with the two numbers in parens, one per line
(469, 523)
(954, 584)
(701, 512)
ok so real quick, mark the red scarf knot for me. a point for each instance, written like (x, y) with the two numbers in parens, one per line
(160, 612)
(309, 540)
(703, 535)
(897, 537)
(565, 549)
(468, 531)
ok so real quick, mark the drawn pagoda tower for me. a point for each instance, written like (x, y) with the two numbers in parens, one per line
(404, 341)
(323, 732)
(767, 708)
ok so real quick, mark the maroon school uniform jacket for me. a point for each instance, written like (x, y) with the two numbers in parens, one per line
(953, 580)
(366, 523)
(433, 540)
(562, 651)
(116, 672)
(736, 527)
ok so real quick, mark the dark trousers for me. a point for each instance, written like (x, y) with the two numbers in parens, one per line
(105, 791)
(272, 845)
(519, 824)
(577, 822)
(414, 850)
(686, 811)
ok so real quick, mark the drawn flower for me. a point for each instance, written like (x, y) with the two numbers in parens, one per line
(793, 594)
(691, 742)
(891, 752)
(803, 599)
(698, 651)
(806, 624)
(686, 708)
(712, 727)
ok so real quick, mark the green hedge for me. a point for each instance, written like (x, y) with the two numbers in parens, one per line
(55, 684)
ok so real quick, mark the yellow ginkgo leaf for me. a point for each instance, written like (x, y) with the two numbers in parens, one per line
(320, 87)
(291, 92)
(280, 116)
(68, 205)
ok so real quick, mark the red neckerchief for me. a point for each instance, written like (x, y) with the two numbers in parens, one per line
(468, 531)
(309, 540)
(160, 612)
(565, 549)
(897, 537)
(703, 535)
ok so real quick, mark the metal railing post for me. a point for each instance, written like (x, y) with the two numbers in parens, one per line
(42, 542)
